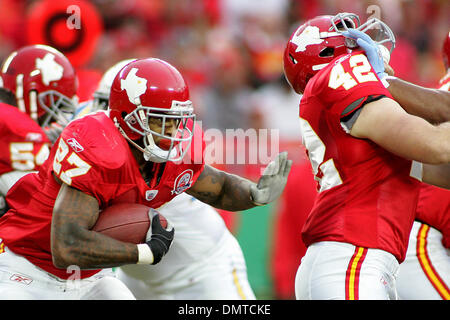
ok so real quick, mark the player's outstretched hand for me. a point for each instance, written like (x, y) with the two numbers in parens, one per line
(372, 49)
(159, 239)
(273, 180)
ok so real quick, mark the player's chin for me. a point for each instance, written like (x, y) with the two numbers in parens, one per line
(165, 144)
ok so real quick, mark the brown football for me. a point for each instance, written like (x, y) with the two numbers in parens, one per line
(127, 222)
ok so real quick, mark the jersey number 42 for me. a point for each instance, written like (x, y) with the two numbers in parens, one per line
(361, 70)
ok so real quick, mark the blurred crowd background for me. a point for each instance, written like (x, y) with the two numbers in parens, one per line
(230, 52)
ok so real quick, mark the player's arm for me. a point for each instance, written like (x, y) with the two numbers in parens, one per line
(72, 242)
(438, 175)
(230, 192)
(222, 190)
(430, 104)
(388, 125)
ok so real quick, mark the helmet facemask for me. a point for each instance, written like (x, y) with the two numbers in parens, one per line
(376, 29)
(172, 146)
(58, 107)
(100, 101)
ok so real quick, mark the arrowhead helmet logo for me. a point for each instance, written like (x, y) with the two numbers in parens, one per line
(134, 85)
(311, 35)
(50, 69)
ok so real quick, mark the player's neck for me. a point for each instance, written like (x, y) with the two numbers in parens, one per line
(138, 155)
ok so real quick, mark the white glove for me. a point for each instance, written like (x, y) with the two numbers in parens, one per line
(272, 182)
(377, 54)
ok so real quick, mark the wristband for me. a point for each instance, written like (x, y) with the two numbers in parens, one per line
(385, 82)
(145, 255)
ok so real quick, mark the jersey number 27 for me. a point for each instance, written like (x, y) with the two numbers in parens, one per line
(80, 167)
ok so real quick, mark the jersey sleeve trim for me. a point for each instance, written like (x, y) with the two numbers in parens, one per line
(354, 109)
(359, 103)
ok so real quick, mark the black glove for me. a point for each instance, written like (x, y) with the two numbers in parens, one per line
(159, 239)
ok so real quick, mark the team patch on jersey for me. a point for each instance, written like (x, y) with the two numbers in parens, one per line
(183, 181)
(76, 146)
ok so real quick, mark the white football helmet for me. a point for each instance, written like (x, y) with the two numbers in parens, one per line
(101, 95)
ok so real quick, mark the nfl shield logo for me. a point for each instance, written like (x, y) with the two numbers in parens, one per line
(150, 194)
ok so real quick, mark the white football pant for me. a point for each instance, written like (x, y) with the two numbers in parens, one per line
(22, 280)
(425, 273)
(204, 262)
(341, 271)
(219, 276)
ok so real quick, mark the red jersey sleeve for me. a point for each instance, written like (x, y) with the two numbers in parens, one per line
(91, 156)
(346, 84)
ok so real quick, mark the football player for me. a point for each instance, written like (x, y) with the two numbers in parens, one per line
(205, 260)
(143, 150)
(37, 93)
(361, 144)
(425, 272)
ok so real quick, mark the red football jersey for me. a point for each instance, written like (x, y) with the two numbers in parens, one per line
(366, 194)
(23, 144)
(92, 156)
(433, 207)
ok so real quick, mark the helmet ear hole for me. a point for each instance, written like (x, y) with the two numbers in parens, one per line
(327, 52)
(292, 59)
